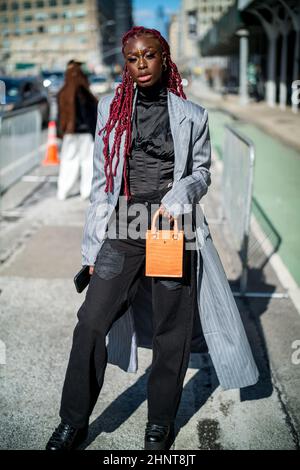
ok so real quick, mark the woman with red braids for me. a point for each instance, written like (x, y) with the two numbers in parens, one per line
(152, 148)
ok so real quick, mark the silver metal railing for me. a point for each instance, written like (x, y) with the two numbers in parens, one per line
(237, 188)
(237, 184)
(20, 139)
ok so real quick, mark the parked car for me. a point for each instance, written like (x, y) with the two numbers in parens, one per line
(25, 92)
(53, 80)
(99, 84)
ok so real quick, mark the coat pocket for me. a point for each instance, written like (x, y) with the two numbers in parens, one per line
(109, 262)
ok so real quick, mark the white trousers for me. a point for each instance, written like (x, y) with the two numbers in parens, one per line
(76, 163)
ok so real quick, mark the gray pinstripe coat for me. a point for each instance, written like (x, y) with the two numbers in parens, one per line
(220, 319)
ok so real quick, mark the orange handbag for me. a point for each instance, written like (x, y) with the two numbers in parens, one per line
(164, 251)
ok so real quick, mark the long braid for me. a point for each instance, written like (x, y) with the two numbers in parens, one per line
(121, 108)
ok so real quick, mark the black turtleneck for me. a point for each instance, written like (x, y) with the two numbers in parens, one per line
(151, 163)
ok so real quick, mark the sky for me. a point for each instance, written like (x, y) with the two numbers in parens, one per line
(144, 11)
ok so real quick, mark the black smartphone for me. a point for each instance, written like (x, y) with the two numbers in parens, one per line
(82, 278)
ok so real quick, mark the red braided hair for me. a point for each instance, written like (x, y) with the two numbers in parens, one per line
(121, 108)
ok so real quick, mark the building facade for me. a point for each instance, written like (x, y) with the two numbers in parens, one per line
(196, 18)
(262, 40)
(37, 34)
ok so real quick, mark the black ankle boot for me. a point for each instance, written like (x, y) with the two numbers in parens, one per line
(65, 437)
(158, 437)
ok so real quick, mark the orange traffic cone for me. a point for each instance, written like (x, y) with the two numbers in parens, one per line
(51, 157)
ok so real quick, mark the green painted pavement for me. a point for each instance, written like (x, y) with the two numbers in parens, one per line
(276, 190)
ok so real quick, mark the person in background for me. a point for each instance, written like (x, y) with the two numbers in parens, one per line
(77, 117)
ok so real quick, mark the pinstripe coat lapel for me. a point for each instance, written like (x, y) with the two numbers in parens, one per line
(180, 126)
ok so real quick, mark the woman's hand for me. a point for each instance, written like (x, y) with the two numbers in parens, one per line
(163, 211)
(91, 270)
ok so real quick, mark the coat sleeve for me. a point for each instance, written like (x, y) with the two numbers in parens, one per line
(96, 214)
(190, 189)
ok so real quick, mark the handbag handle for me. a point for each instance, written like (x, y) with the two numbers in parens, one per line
(153, 225)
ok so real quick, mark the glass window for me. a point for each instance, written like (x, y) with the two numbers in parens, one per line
(66, 2)
(3, 6)
(39, 3)
(28, 18)
(192, 22)
(79, 13)
(81, 27)
(54, 28)
(12, 88)
(3, 19)
(14, 6)
(41, 16)
(29, 30)
(27, 5)
(68, 14)
(41, 29)
(79, 1)
(53, 16)
(68, 28)
(52, 3)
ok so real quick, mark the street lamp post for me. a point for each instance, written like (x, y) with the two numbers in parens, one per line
(244, 52)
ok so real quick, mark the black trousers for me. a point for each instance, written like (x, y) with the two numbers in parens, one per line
(113, 285)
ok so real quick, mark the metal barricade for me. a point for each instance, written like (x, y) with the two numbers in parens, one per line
(237, 184)
(20, 139)
(237, 187)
